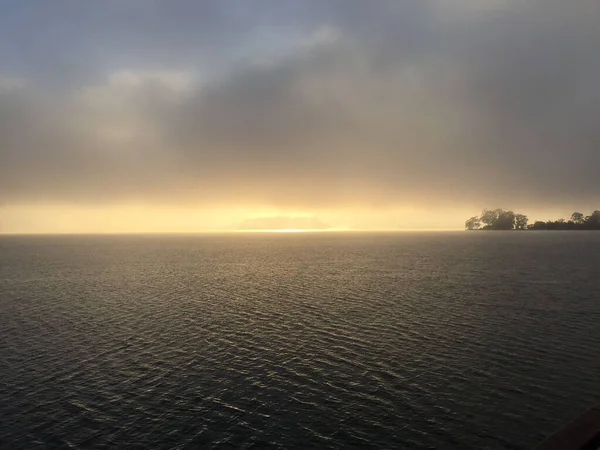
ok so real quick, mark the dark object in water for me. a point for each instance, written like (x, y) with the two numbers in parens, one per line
(582, 433)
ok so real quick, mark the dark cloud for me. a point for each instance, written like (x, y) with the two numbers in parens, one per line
(390, 104)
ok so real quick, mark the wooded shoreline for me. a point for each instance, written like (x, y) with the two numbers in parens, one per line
(499, 219)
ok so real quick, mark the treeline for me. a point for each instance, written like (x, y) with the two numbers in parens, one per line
(499, 219)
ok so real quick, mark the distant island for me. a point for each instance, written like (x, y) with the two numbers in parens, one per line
(281, 223)
(499, 219)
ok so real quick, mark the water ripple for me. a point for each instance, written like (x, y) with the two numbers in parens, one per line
(412, 341)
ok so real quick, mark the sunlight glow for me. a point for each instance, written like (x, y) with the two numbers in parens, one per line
(295, 230)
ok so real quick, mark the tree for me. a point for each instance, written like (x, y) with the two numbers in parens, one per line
(489, 217)
(593, 220)
(521, 221)
(506, 220)
(499, 219)
(577, 217)
(473, 223)
(538, 225)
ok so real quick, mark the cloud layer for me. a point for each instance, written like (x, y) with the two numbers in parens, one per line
(303, 104)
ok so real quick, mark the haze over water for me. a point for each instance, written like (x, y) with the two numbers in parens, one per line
(129, 116)
(314, 340)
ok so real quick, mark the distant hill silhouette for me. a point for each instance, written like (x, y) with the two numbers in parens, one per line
(282, 223)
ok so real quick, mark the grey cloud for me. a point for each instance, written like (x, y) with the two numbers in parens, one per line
(406, 106)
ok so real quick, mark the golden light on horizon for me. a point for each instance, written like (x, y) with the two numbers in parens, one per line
(296, 230)
(286, 230)
(144, 218)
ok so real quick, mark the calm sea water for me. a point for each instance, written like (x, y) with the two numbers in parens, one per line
(410, 340)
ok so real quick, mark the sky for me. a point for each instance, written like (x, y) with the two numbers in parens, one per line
(182, 115)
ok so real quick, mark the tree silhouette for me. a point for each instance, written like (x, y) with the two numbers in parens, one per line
(473, 223)
(592, 221)
(490, 218)
(521, 221)
(577, 217)
(538, 225)
(499, 219)
(506, 220)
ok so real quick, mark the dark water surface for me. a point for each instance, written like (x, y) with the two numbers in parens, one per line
(418, 341)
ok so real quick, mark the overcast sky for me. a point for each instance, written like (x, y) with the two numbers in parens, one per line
(325, 108)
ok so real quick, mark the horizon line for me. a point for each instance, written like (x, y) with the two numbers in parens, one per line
(221, 231)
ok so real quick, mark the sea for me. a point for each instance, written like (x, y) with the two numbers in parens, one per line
(448, 340)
